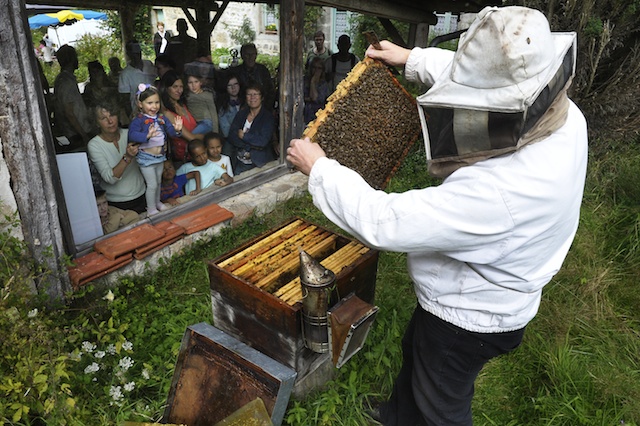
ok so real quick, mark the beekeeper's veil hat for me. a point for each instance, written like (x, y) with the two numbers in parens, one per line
(508, 70)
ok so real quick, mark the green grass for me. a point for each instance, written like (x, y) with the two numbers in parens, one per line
(578, 364)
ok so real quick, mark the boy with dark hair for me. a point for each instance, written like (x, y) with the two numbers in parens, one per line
(172, 189)
(210, 173)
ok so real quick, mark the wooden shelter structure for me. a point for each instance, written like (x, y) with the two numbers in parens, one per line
(27, 141)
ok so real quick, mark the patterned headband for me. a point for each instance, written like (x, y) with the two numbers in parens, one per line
(142, 87)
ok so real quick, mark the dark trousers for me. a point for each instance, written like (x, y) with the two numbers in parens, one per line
(440, 364)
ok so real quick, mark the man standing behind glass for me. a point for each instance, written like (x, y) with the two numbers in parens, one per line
(319, 50)
(137, 71)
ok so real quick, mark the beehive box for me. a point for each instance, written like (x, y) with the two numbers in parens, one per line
(255, 289)
(216, 375)
(368, 124)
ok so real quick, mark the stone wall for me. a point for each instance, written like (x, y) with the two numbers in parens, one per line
(231, 20)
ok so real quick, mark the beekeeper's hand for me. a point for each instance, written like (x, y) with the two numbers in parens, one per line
(303, 154)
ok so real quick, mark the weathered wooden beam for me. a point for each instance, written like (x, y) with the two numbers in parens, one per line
(393, 32)
(27, 146)
(218, 15)
(291, 84)
(383, 9)
(404, 10)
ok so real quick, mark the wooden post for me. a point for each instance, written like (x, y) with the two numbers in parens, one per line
(421, 35)
(127, 13)
(202, 26)
(291, 99)
(27, 146)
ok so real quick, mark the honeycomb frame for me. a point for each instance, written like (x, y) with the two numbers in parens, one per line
(368, 124)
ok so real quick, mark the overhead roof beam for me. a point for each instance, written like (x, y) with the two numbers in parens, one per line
(383, 9)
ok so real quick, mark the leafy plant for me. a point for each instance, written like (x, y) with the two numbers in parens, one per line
(245, 33)
(361, 23)
(606, 86)
(96, 48)
(35, 374)
(142, 30)
(312, 15)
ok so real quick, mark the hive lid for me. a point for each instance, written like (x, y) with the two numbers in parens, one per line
(217, 375)
(368, 124)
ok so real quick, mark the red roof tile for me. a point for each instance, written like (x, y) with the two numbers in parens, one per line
(128, 241)
(172, 233)
(94, 265)
(202, 218)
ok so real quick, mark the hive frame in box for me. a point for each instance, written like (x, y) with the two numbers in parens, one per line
(265, 322)
(369, 123)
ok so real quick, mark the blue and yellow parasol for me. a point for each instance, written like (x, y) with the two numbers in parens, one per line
(63, 17)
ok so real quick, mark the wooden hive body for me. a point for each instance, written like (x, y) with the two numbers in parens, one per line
(263, 320)
(216, 375)
(368, 124)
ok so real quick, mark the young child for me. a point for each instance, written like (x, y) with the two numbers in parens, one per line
(150, 130)
(202, 106)
(112, 218)
(213, 142)
(173, 185)
(209, 173)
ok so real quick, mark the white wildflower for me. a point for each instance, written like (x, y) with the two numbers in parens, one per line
(111, 349)
(32, 313)
(125, 363)
(99, 354)
(109, 296)
(75, 356)
(127, 346)
(145, 374)
(129, 386)
(91, 368)
(193, 289)
(116, 393)
(88, 347)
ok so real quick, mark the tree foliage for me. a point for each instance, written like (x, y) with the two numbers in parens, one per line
(361, 23)
(312, 15)
(245, 33)
(142, 29)
(607, 82)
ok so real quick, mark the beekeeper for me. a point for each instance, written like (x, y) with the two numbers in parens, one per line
(512, 149)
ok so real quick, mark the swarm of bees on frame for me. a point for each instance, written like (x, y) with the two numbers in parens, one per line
(368, 124)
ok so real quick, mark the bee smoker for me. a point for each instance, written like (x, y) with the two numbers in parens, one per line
(318, 286)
